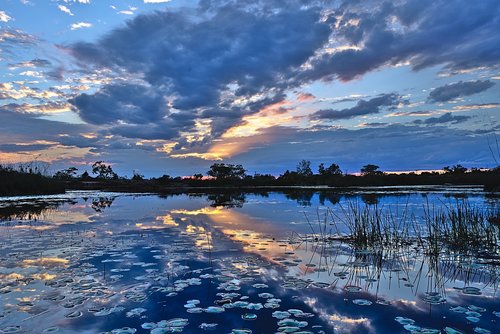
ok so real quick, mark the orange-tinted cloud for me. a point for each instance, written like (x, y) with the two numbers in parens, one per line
(303, 97)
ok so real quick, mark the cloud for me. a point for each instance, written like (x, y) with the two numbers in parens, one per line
(4, 17)
(11, 37)
(225, 60)
(198, 59)
(37, 109)
(24, 147)
(393, 147)
(445, 118)
(164, 130)
(121, 103)
(457, 34)
(31, 63)
(156, 1)
(65, 9)
(457, 108)
(86, 2)
(302, 97)
(459, 89)
(373, 125)
(223, 65)
(467, 107)
(80, 25)
(362, 107)
(16, 91)
(20, 127)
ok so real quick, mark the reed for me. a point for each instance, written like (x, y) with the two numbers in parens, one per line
(457, 225)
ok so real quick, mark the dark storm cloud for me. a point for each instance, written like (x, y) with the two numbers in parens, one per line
(163, 130)
(202, 60)
(459, 34)
(459, 89)
(195, 60)
(363, 107)
(127, 103)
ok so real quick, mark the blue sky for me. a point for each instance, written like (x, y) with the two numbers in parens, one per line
(174, 86)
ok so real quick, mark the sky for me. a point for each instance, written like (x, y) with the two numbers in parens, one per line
(171, 87)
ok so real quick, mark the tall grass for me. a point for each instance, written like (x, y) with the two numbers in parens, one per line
(458, 225)
(440, 246)
(463, 226)
(27, 182)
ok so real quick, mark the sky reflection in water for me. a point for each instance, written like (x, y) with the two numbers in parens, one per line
(104, 262)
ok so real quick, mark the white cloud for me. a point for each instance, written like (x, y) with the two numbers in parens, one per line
(4, 17)
(129, 11)
(156, 1)
(79, 1)
(80, 25)
(65, 9)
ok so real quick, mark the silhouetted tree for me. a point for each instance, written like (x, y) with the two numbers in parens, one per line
(227, 199)
(101, 203)
(103, 171)
(137, 176)
(264, 179)
(333, 198)
(226, 171)
(198, 176)
(370, 170)
(457, 169)
(304, 168)
(303, 197)
(164, 179)
(370, 199)
(85, 175)
(334, 169)
(66, 174)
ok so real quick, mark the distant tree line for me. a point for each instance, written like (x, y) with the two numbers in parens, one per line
(33, 179)
(235, 175)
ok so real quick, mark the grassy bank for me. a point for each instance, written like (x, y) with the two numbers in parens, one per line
(15, 183)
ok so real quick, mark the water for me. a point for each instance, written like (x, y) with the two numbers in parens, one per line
(88, 262)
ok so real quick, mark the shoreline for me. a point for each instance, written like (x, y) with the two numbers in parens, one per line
(264, 189)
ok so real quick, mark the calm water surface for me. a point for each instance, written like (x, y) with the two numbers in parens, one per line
(89, 262)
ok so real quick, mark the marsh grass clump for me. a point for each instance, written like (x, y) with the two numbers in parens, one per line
(371, 225)
(462, 226)
(448, 244)
(458, 226)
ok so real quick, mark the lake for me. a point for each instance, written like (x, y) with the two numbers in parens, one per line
(270, 262)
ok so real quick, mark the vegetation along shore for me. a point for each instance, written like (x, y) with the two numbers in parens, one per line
(30, 180)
